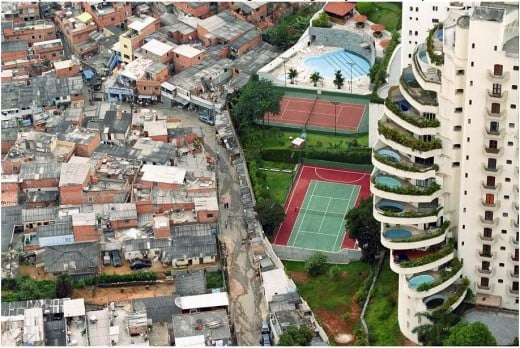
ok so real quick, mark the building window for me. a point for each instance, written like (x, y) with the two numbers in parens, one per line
(511, 125)
(495, 108)
(510, 143)
(473, 45)
(471, 83)
(509, 162)
(498, 70)
(435, 20)
(497, 89)
(506, 197)
(490, 198)
(456, 146)
(210, 215)
(515, 67)
(455, 164)
(472, 64)
(468, 139)
(507, 179)
(513, 106)
(514, 87)
(457, 128)
(460, 72)
(458, 110)
(503, 231)
(500, 281)
(488, 215)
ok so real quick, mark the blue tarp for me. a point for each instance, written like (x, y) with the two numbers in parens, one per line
(88, 74)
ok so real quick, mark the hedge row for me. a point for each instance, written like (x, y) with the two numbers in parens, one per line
(378, 70)
(360, 155)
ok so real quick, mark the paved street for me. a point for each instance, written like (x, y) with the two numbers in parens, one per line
(246, 296)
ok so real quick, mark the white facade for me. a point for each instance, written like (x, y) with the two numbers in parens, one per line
(445, 179)
(419, 18)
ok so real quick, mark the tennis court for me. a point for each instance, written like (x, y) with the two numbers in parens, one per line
(320, 224)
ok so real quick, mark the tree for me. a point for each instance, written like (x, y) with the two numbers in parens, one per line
(63, 286)
(365, 229)
(316, 264)
(365, 7)
(474, 334)
(270, 215)
(339, 80)
(296, 336)
(437, 328)
(256, 99)
(315, 78)
(293, 73)
(323, 20)
(335, 272)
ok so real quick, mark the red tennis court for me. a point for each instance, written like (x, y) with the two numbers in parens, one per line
(306, 173)
(318, 113)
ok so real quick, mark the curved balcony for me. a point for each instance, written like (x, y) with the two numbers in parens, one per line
(441, 280)
(420, 98)
(407, 237)
(498, 78)
(454, 294)
(401, 166)
(490, 206)
(486, 256)
(398, 213)
(496, 97)
(514, 257)
(512, 291)
(497, 170)
(484, 289)
(513, 240)
(403, 141)
(402, 113)
(494, 134)
(430, 76)
(481, 272)
(491, 188)
(495, 116)
(513, 275)
(488, 239)
(414, 261)
(488, 223)
(393, 188)
(492, 151)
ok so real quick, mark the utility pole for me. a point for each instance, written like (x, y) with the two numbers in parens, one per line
(335, 115)
(284, 72)
(351, 64)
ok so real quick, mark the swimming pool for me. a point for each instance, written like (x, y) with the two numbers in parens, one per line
(419, 280)
(327, 64)
(424, 57)
(390, 154)
(434, 301)
(397, 233)
(440, 35)
(388, 181)
(403, 105)
(390, 206)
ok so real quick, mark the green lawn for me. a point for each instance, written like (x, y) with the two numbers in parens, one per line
(386, 13)
(279, 138)
(278, 165)
(214, 280)
(322, 292)
(381, 315)
(279, 184)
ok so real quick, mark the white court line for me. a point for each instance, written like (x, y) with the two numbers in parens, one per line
(348, 208)
(289, 204)
(303, 217)
(339, 182)
(321, 234)
(336, 170)
(323, 219)
(344, 199)
(284, 110)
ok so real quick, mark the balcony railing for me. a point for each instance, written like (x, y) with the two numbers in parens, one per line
(430, 46)
(407, 189)
(495, 114)
(419, 94)
(446, 273)
(498, 77)
(432, 257)
(492, 150)
(488, 287)
(513, 240)
(457, 295)
(514, 257)
(499, 95)
(486, 255)
(427, 71)
(495, 204)
(423, 236)
(485, 186)
(494, 132)
(416, 120)
(404, 165)
(495, 170)
(513, 291)
(408, 140)
(488, 222)
(513, 274)
(485, 271)
(486, 238)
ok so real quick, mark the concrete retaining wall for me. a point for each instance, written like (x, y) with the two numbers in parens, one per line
(299, 254)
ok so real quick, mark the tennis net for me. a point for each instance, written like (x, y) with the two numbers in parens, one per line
(321, 213)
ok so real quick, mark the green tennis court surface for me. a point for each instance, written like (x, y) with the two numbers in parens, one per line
(320, 224)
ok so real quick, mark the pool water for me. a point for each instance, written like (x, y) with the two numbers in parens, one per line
(440, 35)
(390, 206)
(327, 64)
(403, 105)
(390, 154)
(417, 281)
(434, 301)
(388, 181)
(397, 233)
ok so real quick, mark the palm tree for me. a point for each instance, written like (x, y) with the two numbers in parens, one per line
(293, 73)
(315, 78)
(339, 80)
(438, 327)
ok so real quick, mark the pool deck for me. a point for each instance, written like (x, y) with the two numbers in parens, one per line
(360, 85)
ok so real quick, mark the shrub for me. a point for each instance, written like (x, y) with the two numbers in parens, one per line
(346, 316)
(80, 284)
(334, 272)
(316, 264)
(365, 7)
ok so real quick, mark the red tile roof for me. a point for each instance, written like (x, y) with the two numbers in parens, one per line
(339, 8)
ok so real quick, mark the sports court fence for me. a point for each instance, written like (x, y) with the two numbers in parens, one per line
(343, 256)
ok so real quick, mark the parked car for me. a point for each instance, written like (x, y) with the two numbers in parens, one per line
(265, 328)
(106, 259)
(140, 264)
(265, 340)
(116, 258)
